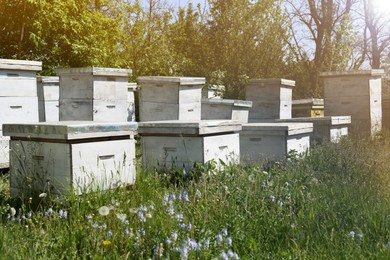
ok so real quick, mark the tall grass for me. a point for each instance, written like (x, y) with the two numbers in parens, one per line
(331, 204)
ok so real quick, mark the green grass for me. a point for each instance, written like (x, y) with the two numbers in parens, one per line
(333, 204)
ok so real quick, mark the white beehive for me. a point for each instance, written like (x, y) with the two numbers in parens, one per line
(272, 98)
(18, 97)
(63, 156)
(329, 128)
(48, 98)
(226, 109)
(311, 107)
(132, 88)
(273, 140)
(170, 98)
(181, 143)
(355, 93)
(93, 94)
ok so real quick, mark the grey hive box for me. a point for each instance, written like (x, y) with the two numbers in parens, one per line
(358, 94)
(131, 89)
(329, 128)
(310, 107)
(58, 156)
(170, 98)
(93, 94)
(48, 98)
(273, 140)
(175, 143)
(18, 97)
(272, 98)
(226, 109)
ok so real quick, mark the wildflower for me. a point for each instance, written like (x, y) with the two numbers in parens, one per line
(224, 232)
(104, 226)
(185, 196)
(388, 245)
(121, 217)
(280, 203)
(172, 197)
(174, 236)
(182, 225)
(165, 200)
(206, 243)
(351, 234)
(224, 256)
(360, 235)
(29, 214)
(229, 241)
(63, 214)
(151, 206)
(232, 255)
(89, 217)
(141, 216)
(127, 222)
(148, 215)
(95, 225)
(109, 233)
(43, 195)
(189, 225)
(219, 238)
(168, 241)
(179, 216)
(198, 194)
(272, 197)
(12, 211)
(106, 243)
(104, 211)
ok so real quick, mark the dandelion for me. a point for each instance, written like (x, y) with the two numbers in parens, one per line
(106, 242)
(43, 195)
(351, 234)
(12, 212)
(104, 211)
(121, 217)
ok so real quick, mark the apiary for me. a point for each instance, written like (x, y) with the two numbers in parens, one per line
(329, 128)
(48, 98)
(179, 144)
(132, 88)
(226, 109)
(311, 107)
(18, 97)
(93, 94)
(265, 141)
(272, 99)
(170, 98)
(58, 157)
(358, 94)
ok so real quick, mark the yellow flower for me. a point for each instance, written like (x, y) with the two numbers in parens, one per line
(106, 243)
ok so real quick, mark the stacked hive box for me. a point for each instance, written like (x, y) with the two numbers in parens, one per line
(179, 144)
(48, 98)
(329, 128)
(272, 98)
(170, 98)
(18, 97)
(355, 93)
(132, 87)
(95, 94)
(273, 141)
(312, 107)
(226, 109)
(81, 156)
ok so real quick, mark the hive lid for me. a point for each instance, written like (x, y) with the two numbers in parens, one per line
(309, 101)
(277, 127)
(69, 130)
(166, 79)
(51, 79)
(20, 65)
(229, 102)
(95, 71)
(271, 82)
(327, 120)
(177, 127)
(371, 73)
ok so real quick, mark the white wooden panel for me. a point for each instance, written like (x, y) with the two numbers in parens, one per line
(4, 150)
(298, 143)
(103, 165)
(222, 147)
(337, 132)
(52, 112)
(285, 109)
(73, 109)
(375, 87)
(76, 86)
(153, 111)
(131, 110)
(190, 94)
(18, 85)
(104, 110)
(164, 93)
(165, 151)
(18, 110)
(258, 148)
(286, 94)
(189, 111)
(111, 88)
(49, 92)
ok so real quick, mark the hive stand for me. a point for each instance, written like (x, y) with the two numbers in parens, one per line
(57, 157)
(355, 93)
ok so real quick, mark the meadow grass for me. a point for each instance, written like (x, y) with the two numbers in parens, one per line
(332, 204)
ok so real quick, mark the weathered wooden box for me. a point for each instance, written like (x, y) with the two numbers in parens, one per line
(179, 144)
(48, 98)
(93, 94)
(170, 98)
(131, 110)
(355, 93)
(18, 97)
(260, 142)
(329, 128)
(64, 156)
(311, 107)
(225, 109)
(272, 98)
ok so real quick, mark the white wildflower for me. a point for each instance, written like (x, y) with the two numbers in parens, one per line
(104, 211)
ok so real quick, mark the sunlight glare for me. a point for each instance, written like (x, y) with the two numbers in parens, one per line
(382, 6)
